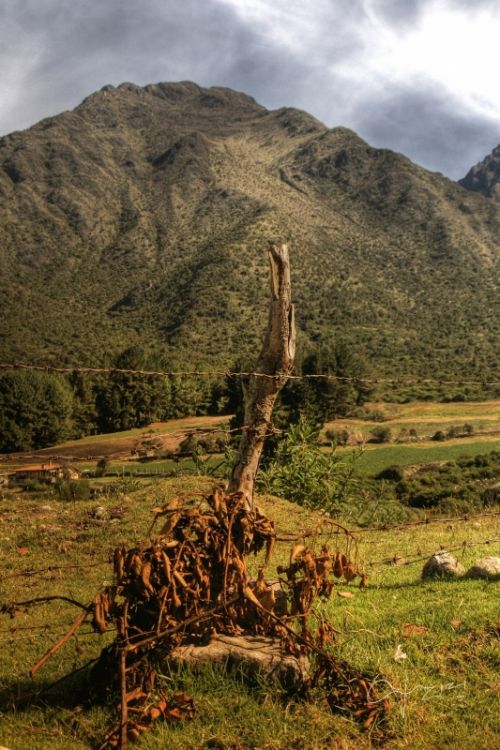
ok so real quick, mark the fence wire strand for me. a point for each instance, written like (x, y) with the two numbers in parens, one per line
(243, 374)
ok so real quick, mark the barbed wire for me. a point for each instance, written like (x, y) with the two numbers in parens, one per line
(395, 560)
(242, 374)
(424, 522)
(291, 538)
(419, 556)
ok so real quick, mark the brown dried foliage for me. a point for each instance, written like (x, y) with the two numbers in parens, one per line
(192, 582)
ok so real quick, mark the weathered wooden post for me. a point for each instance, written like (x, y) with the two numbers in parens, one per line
(274, 366)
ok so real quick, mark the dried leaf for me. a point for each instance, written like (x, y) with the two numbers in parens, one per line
(410, 629)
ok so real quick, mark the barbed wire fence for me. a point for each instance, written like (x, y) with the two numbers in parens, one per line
(396, 560)
(243, 374)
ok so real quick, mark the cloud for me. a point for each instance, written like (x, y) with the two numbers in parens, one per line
(429, 127)
(415, 75)
(65, 49)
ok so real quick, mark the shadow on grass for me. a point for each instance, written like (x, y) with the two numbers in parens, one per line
(71, 690)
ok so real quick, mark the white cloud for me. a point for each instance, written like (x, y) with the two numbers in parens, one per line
(451, 46)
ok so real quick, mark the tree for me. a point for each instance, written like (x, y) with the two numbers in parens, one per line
(318, 400)
(35, 410)
(127, 400)
(85, 387)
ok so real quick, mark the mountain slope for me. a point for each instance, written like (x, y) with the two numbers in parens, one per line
(144, 215)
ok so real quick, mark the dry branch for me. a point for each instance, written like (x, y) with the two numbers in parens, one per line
(79, 620)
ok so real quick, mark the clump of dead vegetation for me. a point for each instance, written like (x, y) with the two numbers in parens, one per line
(190, 583)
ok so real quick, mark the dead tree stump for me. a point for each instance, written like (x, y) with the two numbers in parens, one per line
(273, 368)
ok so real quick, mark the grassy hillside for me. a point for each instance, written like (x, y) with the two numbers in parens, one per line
(442, 695)
(143, 216)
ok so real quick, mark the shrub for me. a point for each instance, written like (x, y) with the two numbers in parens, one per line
(339, 437)
(102, 467)
(380, 435)
(439, 436)
(73, 489)
(301, 472)
(392, 473)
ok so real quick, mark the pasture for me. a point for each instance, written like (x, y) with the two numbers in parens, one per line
(443, 693)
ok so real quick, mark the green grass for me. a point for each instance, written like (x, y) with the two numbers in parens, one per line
(372, 460)
(444, 695)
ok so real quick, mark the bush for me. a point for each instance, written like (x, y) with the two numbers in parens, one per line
(339, 437)
(102, 467)
(73, 489)
(392, 473)
(301, 472)
(200, 445)
(439, 436)
(380, 435)
(34, 485)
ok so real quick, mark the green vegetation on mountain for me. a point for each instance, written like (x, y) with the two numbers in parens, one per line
(143, 217)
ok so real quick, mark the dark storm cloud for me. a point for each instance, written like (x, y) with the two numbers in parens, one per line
(56, 52)
(430, 128)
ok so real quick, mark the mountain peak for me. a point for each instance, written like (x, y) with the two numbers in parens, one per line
(484, 177)
(182, 92)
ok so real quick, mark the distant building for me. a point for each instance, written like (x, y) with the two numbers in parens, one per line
(49, 473)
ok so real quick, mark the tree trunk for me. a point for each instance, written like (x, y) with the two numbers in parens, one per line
(275, 364)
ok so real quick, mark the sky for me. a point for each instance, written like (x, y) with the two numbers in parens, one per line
(416, 76)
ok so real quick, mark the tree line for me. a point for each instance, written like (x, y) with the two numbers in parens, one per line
(39, 409)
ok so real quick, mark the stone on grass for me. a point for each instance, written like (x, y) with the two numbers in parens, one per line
(252, 655)
(99, 513)
(486, 567)
(442, 565)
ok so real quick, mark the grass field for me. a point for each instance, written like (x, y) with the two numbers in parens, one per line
(372, 459)
(443, 695)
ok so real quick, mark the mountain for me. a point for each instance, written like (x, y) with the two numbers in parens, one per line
(484, 177)
(144, 215)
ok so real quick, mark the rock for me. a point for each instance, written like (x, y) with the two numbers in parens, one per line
(442, 565)
(99, 513)
(486, 567)
(399, 654)
(254, 655)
